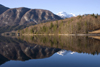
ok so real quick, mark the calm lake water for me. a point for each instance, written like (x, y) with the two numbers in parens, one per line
(49, 51)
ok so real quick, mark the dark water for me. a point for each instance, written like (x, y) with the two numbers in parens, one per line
(49, 51)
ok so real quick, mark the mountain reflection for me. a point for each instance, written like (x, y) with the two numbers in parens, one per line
(64, 52)
(80, 44)
(36, 47)
(16, 49)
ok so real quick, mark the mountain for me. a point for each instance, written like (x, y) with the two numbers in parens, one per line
(65, 15)
(3, 9)
(23, 16)
(73, 25)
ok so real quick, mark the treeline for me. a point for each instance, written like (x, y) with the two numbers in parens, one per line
(74, 25)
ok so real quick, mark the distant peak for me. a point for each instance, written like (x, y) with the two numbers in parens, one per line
(66, 15)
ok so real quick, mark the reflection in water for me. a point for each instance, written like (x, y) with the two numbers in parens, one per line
(72, 52)
(80, 44)
(64, 52)
(14, 49)
(36, 47)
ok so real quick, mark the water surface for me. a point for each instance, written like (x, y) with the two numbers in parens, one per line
(49, 51)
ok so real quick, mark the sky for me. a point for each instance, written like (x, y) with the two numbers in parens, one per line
(77, 7)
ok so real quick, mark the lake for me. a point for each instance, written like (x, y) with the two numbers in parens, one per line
(49, 51)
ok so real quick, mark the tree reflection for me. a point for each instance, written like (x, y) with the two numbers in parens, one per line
(81, 44)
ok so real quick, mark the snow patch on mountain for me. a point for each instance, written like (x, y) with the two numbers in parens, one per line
(65, 15)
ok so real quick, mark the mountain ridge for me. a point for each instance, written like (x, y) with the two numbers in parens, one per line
(3, 9)
(23, 16)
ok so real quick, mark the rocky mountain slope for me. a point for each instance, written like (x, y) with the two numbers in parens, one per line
(24, 16)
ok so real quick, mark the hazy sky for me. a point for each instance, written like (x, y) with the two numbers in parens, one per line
(69, 6)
